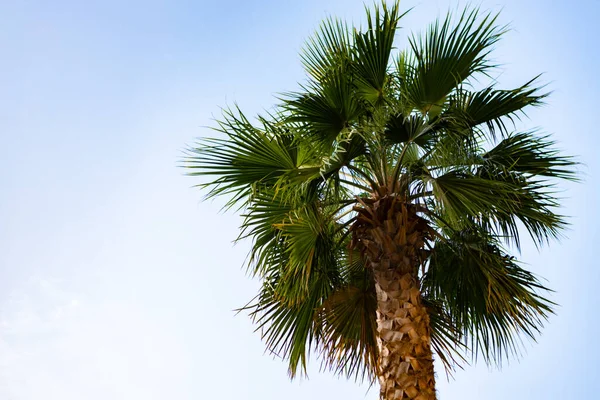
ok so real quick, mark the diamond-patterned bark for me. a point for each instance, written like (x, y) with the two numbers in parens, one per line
(392, 237)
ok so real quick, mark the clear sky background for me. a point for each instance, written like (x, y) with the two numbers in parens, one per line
(117, 282)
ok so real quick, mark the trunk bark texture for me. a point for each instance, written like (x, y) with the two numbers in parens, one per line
(392, 237)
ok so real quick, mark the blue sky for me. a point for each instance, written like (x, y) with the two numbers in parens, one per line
(117, 282)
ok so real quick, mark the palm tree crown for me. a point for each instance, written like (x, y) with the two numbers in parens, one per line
(391, 158)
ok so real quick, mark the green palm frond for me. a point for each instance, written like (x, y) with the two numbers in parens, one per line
(529, 153)
(535, 210)
(248, 156)
(349, 331)
(348, 148)
(309, 241)
(329, 49)
(348, 334)
(264, 212)
(490, 298)
(327, 109)
(373, 50)
(446, 55)
(290, 331)
(490, 107)
(445, 335)
(461, 194)
(410, 128)
(500, 203)
(299, 271)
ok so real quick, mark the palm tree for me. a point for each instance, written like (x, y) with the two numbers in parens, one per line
(382, 200)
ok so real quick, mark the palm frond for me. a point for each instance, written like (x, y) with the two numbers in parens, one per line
(307, 237)
(373, 49)
(446, 55)
(290, 331)
(499, 202)
(535, 210)
(491, 107)
(490, 298)
(445, 336)
(248, 156)
(462, 195)
(410, 128)
(331, 48)
(529, 153)
(348, 147)
(265, 210)
(349, 331)
(299, 272)
(325, 109)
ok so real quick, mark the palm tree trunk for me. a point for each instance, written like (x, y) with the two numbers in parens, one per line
(392, 237)
(405, 358)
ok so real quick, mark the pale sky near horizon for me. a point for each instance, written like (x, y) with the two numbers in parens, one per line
(117, 282)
